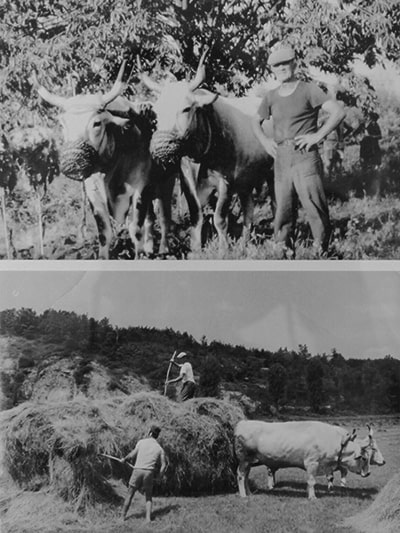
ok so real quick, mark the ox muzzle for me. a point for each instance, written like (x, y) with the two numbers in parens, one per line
(78, 160)
(167, 147)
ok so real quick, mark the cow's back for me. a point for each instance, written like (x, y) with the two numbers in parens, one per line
(236, 116)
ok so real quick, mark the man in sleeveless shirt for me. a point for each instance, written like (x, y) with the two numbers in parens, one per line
(294, 108)
(149, 460)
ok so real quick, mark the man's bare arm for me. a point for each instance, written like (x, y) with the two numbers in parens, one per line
(336, 114)
(163, 466)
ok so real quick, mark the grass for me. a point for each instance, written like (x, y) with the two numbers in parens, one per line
(284, 510)
(363, 227)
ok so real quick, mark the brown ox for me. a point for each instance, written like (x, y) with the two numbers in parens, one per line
(107, 144)
(215, 132)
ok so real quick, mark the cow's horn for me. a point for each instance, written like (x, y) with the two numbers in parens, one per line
(370, 430)
(200, 73)
(150, 84)
(47, 96)
(117, 88)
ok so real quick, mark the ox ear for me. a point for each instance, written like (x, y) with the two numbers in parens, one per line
(204, 99)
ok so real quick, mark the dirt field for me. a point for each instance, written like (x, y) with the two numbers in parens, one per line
(284, 510)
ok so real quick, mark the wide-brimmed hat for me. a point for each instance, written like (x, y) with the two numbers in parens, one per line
(281, 55)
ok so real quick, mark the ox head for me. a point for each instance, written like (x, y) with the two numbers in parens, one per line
(177, 108)
(362, 453)
(370, 445)
(87, 121)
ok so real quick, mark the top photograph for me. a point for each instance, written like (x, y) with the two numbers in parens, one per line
(200, 130)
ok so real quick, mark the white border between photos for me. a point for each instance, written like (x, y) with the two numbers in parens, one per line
(207, 265)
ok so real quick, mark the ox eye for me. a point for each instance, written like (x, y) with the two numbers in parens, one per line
(97, 124)
(186, 109)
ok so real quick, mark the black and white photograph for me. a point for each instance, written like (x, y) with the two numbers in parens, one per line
(200, 266)
(227, 401)
(215, 129)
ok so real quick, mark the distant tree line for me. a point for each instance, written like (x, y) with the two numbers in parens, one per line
(285, 379)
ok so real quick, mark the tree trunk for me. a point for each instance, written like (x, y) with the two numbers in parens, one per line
(3, 210)
(40, 222)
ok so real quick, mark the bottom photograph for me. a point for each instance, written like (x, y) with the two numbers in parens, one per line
(200, 401)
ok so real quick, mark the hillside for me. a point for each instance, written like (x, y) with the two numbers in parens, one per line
(59, 355)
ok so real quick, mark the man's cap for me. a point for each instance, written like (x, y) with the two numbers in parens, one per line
(281, 55)
(155, 430)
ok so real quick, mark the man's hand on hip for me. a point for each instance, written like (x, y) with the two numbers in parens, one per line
(307, 141)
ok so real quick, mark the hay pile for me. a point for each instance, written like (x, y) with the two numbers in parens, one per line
(59, 445)
(384, 514)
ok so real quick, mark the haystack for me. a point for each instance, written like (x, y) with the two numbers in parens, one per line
(384, 513)
(44, 438)
(60, 445)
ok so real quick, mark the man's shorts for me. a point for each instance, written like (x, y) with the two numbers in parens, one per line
(142, 480)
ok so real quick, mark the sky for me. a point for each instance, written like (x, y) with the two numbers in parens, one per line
(355, 312)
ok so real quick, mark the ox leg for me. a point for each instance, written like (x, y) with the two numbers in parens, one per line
(271, 478)
(221, 213)
(140, 210)
(311, 473)
(188, 185)
(149, 230)
(96, 194)
(343, 478)
(243, 478)
(330, 478)
(165, 211)
(247, 204)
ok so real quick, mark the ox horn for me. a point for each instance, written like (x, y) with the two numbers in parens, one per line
(370, 431)
(200, 73)
(52, 99)
(117, 88)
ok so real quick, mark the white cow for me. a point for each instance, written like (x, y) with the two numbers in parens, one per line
(316, 447)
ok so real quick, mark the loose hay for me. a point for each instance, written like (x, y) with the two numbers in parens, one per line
(61, 444)
(384, 513)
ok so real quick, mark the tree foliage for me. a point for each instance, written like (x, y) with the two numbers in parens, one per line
(296, 378)
(79, 46)
(210, 377)
(277, 380)
(315, 374)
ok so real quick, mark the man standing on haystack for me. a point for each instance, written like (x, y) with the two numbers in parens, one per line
(149, 461)
(186, 376)
(294, 106)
